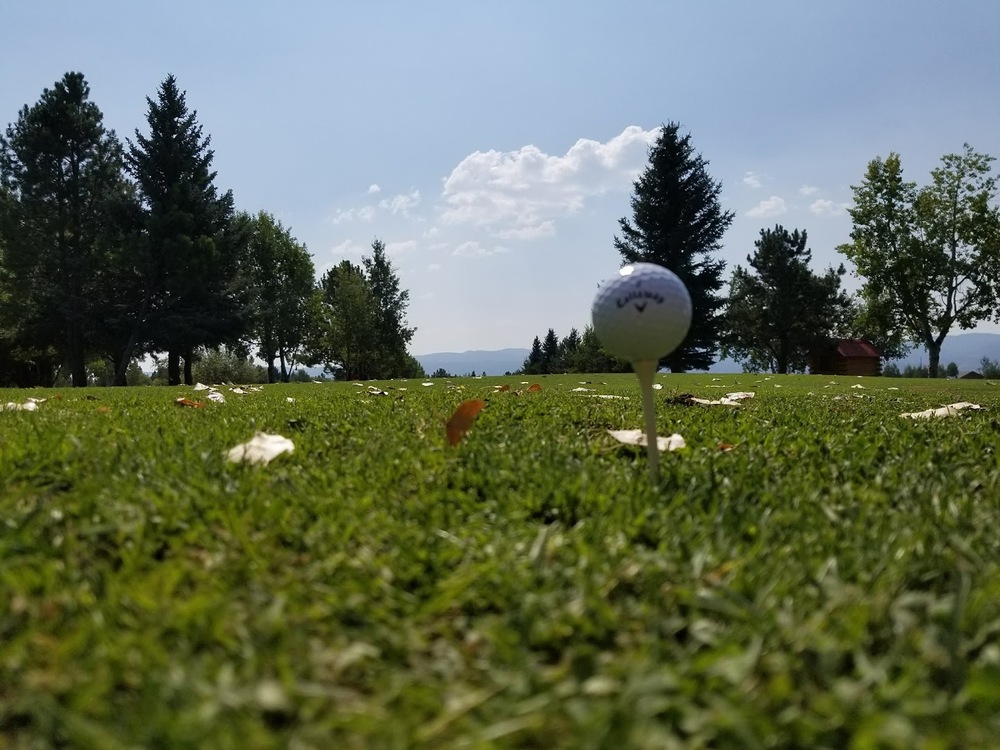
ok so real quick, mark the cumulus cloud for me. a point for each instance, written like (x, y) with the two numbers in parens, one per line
(518, 194)
(773, 206)
(472, 249)
(752, 180)
(402, 203)
(348, 247)
(395, 248)
(808, 190)
(827, 207)
(374, 188)
(362, 213)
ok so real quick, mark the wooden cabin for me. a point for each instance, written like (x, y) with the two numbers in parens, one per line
(846, 357)
(972, 375)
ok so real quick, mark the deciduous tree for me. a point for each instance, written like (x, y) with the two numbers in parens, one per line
(283, 297)
(929, 257)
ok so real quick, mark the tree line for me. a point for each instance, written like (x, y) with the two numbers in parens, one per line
(928, 258)
(111, 251)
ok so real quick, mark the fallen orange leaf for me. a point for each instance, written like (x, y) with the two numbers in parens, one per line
(726, 447)
(503, 388)
(461, 421)
(534, 388)
(190, 403)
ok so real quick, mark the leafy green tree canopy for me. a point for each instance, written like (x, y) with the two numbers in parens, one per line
(929, 257)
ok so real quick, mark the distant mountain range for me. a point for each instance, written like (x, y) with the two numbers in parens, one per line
(964, 349)
(495, 362)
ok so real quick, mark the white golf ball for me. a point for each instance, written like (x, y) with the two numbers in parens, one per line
(643, 313)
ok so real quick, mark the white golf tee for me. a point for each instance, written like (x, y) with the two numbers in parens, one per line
(645, 370)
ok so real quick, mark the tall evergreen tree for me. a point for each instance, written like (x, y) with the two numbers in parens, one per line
(533, 362)
(550, 353)
(392, 335)
(780, 310)
(678, 223)
(191, 287)
(63, 182)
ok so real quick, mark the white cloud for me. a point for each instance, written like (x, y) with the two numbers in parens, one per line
(395, 248)
(364, 213)
(545, 228)
(808, 190)
(348, 247)
(402, 203)
(773, 206)
(752, 180)
(473, 249)
(827, 207)
(374, 188)
(518, 194)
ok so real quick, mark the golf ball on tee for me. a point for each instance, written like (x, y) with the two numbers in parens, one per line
(643, 313)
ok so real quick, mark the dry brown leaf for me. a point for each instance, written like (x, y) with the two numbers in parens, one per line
(726, 447)
(534, 388)
(189, 403)
(502, 388)
(463, 418)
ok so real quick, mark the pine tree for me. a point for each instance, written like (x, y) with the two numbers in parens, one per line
(678, 223)
(63, 185)
(780, 311)
(392, 335)
(550, 353)
(533, 363)
(190, 269)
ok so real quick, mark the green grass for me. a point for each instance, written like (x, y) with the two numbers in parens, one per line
(833, 581)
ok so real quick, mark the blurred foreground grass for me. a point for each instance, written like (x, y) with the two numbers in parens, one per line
(830, 581)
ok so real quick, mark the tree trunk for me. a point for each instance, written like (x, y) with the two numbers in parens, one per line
(188, 366)
(77, 362)
(133, 338)
(933, 358)
(173, 367)
(284, 368)
(272, 373)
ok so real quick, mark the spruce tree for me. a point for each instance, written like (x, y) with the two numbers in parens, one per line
(190, 271)
(678, 223)
(392, 335)
(63, 180)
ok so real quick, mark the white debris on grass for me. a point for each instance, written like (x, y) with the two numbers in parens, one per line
(201, 387)
(217, 397)
(730, 399)
(582, 390)
(261, 449)
(638, 437)
(28, 405)
(945, 411)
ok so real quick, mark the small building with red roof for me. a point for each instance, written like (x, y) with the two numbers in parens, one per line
(846, 357)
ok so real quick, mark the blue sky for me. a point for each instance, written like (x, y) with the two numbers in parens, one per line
(492, 146)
